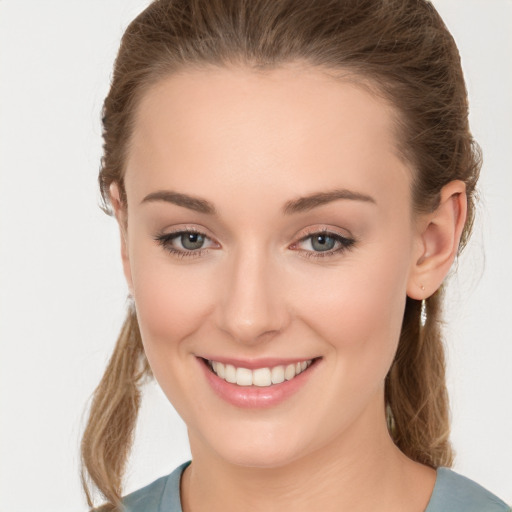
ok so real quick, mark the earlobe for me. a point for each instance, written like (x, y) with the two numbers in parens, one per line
(121, 217)
(438, 242)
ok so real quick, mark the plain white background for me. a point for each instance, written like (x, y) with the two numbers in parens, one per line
(62, 294)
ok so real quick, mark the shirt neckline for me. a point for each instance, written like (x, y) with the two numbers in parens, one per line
(175, 489)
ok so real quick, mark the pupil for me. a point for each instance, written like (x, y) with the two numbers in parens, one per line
(192, 240)
(323, 242)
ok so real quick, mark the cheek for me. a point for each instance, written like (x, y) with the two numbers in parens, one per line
(360, 315)
(170, 309)
(171, 301)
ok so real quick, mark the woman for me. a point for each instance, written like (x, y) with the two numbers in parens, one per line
(292, 181)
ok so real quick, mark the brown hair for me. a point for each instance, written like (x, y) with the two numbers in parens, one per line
(404, 51)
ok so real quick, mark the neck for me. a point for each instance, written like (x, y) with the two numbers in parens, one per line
(360, 470)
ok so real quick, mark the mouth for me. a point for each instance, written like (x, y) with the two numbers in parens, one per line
(261, 377)
(265, 384)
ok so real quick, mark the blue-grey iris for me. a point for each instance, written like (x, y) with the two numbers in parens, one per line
(192, 241)
(322, 242)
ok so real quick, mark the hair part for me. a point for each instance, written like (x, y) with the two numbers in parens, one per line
(403, 51)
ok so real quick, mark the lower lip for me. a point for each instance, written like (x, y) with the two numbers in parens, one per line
(255, 396)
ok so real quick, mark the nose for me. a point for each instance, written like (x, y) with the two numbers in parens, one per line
(252, 308)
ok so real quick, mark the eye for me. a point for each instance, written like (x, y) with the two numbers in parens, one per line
(324, 243)
(185, 243)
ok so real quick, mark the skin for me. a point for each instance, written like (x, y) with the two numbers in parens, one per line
(249, 143)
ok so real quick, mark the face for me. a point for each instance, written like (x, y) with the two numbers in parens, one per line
(269, 234)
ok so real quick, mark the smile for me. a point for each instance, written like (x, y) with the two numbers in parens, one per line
(265, 383)
(262, 377)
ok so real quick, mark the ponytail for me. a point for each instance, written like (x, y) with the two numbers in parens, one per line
(415, 388)
(108, 435)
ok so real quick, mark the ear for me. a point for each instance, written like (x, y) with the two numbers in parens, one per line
(438, 240)
(122, 221)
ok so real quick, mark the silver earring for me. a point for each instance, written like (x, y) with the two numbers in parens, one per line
(390, 420)
(423, 314)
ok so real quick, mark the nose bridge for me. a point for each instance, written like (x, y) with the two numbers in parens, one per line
(252, 305)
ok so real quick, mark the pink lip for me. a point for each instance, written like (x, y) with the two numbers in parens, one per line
(255, 396)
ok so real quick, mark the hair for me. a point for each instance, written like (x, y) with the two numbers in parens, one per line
(404, 51)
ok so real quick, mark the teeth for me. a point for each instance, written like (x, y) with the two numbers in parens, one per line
(289, 372)
(261, 377)
(220, 370)
(230, 373)
(277, 374)
(243, 377)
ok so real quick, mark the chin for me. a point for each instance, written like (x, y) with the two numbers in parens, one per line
(256, 447)
(266, 457)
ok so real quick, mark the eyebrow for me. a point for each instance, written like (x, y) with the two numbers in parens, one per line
(192, 203)
(298, 205)
(306, 203)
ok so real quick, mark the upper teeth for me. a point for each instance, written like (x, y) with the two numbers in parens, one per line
(260, 376)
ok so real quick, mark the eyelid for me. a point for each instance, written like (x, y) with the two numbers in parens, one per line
(325, 230)
(184, 229)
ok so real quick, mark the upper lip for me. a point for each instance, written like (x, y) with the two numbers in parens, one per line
(252, 364)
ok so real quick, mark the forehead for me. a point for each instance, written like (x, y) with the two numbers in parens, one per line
(294, 127)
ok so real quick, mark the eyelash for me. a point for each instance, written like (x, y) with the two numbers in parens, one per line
(345, 244)
(165, 241)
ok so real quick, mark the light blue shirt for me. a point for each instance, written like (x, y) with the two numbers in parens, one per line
(452, 493)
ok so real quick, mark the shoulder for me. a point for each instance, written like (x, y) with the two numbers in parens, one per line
(162, 494)
(457, 493)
